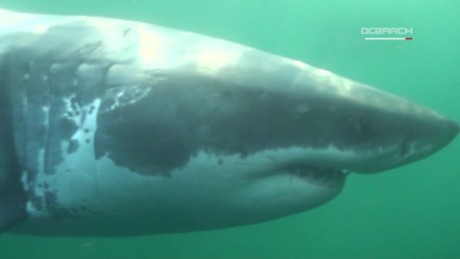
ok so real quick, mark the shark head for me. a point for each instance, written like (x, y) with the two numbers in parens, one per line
(289, 132)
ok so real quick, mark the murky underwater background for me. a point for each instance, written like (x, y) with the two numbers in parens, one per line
(410, 212)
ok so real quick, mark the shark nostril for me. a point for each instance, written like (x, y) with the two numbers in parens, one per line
(404, 150)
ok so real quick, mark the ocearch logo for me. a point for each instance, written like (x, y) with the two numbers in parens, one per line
(387, 33)
(386, 30)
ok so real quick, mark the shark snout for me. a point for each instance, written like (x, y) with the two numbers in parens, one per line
(445, 132)
(418, 139)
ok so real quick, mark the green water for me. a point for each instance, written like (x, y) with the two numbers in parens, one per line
(410, 212)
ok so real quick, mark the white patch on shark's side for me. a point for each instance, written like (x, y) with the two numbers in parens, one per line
(72, 183)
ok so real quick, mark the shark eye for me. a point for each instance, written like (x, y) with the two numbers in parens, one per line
(364, 124)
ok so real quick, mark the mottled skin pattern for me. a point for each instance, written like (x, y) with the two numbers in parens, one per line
(121, 128)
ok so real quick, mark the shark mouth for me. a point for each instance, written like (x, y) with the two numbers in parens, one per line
(324, 177)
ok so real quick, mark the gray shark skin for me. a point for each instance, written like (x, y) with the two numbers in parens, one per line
(114, 127)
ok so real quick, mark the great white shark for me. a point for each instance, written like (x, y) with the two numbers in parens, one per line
(113, 127)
